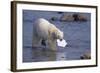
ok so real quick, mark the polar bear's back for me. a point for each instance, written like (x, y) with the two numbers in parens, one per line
(41, 27)
(42, 23)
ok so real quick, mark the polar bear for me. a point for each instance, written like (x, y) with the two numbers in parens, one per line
(44, 30)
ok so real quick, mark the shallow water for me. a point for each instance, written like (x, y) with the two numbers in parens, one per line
(77, 35)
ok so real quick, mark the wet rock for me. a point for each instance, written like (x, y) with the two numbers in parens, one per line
(54, 19)
(86, 56)
(73, 17)
(79, 17)
(82, 18)
(66, 17)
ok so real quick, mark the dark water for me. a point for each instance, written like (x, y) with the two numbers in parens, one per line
(77, 34)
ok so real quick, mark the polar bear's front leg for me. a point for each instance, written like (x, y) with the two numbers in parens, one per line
(52, 45)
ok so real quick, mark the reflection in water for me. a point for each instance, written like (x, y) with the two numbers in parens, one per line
(42, 54)
(51, 55)
(48, 55)
(61, 56)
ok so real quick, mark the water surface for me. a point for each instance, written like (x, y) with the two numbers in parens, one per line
(77, 34)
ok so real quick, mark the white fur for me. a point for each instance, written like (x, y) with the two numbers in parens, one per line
(43, 29)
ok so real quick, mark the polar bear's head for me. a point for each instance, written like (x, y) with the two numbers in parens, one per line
(58, 34)
(55, 33)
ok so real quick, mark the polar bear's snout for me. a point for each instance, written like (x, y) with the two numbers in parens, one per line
(60, 35)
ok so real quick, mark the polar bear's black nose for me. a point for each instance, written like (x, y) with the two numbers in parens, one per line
(61, 39)
(43, 42)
